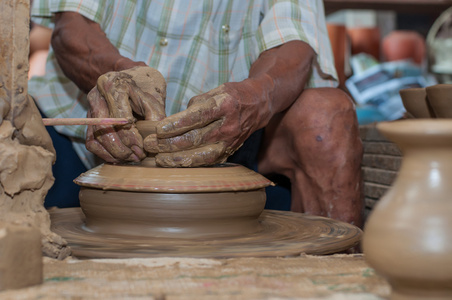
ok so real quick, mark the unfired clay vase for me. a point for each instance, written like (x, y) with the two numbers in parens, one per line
(219, 201)
(148, 201)
(145, 128)
(440, 98)
(408, 236)
(415, 102)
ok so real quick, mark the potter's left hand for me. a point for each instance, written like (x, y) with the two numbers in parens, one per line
(213, 126)
(137, 91)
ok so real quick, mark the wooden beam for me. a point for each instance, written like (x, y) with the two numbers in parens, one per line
(403, 6)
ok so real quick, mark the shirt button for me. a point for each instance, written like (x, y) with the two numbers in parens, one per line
(163, 42)
(225, 28)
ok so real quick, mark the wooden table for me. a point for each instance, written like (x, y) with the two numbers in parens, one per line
(335, 277)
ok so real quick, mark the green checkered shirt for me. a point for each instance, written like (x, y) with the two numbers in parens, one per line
(196, 44)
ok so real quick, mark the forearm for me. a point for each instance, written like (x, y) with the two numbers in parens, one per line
(84, 52)
(281, 74)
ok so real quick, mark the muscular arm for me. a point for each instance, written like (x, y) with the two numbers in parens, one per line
(281, 74)
(84, 52)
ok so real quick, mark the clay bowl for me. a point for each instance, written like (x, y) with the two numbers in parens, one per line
(415, 102)
(440, 98)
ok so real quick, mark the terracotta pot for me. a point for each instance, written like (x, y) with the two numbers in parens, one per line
(440, 98)
(408, 236)
(404, 44)
(365, 40)
(415, 102)
(338, 38)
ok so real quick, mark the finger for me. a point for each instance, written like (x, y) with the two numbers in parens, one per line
(197, 115)
(202, 156)
(117, 89)
(114, 88)
(132, 139)
(120, 144)
(189, 140)
(146, 104)
(95, 147)
(148, 92)
(98, 105)
(110, 140)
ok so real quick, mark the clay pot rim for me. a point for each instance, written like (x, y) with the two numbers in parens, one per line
(440, 86)
(414, 127)
(413, 90)
(233, 177)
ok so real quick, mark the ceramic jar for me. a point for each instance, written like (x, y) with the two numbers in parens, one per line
(404, 44)
(408, 236)
(365, 40)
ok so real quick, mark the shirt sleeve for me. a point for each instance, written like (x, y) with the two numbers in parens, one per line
(42, 11)
(288, 20)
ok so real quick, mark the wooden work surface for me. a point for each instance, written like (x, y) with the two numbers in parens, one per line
(304, 277)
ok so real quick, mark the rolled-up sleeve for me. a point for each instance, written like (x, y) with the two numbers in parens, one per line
(288, 20)
(43, 10)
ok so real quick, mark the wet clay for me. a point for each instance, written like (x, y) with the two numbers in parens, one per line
(281, 234)
(26, 176)
(189, 215)
(407, 236)
(140, 177)
(20, 256)
(26, 151)
(145, 200)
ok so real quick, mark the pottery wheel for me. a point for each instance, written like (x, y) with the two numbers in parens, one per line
(281, 234)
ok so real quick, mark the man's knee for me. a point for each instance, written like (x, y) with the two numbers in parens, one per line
(324, 103)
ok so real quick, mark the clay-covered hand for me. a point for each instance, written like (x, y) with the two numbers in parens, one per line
(213, 126)
(139, 91)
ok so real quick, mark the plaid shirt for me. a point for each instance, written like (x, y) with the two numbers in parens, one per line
(196, 45)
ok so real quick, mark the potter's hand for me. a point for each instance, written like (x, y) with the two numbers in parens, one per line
(213, 126)
(139, 90)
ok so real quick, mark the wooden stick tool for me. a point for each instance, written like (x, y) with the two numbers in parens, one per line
(84, 121)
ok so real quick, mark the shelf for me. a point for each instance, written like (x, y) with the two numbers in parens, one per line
(403, 6)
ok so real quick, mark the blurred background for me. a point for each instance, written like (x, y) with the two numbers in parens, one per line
(382, 46)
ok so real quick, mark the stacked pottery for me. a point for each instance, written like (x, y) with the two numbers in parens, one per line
(408, 236)
(431, 102)
(440, 99)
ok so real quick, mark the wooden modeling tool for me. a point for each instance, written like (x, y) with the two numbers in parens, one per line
(84, 121)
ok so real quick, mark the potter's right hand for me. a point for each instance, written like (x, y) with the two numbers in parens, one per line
(140, 91)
